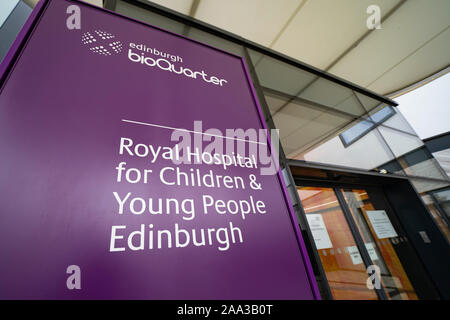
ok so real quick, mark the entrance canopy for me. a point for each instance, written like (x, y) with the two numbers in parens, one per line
(412, 44)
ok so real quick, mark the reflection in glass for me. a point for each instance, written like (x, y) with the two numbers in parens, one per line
(421, 163)
(438, 202)
(359, 129)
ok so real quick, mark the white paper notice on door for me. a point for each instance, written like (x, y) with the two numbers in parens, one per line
(354, 254)
(371, 250)
(381, 224)
(319, 231)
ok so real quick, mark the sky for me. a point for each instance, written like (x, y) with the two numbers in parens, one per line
(427, 108)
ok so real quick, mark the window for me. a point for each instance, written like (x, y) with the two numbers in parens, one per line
(364, 126)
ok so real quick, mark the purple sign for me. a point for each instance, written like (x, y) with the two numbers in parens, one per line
(122, 174)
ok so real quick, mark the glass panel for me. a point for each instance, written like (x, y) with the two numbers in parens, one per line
(280, 76)
(13, 15)
(294, 82)
(443, 198)
(332, 95)
(369, 103)
(356, 131)
(398, 141)
(438, 214)
(393, 276)
(302, 123)
(364, 126)
(344, 268)
(424, 185)
(6, 7)
(442, 204)
(366, 153)
(382, 115)
(443, 158)
(275, 101)
(395, 120)
(312, 131)
(421, 163)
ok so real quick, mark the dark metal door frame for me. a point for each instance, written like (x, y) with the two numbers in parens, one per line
(438, 205)
(381, 293)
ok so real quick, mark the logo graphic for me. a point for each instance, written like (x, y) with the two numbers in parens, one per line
(101, 42)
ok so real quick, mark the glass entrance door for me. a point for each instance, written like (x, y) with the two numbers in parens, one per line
(351, 234)
(379, 237)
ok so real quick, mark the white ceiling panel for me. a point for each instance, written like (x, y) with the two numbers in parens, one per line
(324, 29)
(412, 26)
(181, 6)
(429, 59)
(256, 20)
(412, 44)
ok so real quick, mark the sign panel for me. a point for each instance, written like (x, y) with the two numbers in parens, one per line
(381, 224)
(114, 178)
(319, 231)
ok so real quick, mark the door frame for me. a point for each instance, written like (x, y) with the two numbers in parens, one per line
(336, 187)
(312, 174)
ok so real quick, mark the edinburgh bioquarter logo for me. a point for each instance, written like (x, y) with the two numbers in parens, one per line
(101, 42)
